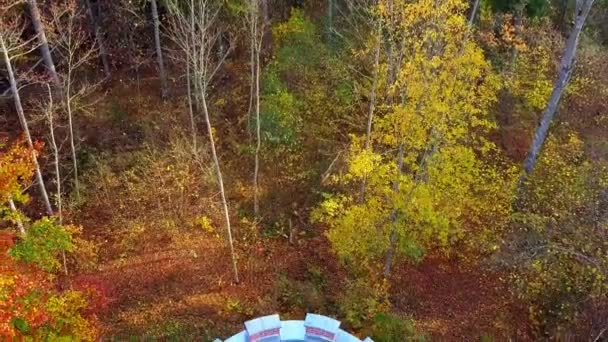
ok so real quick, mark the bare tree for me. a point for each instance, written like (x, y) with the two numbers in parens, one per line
(48, 111)
(202, 18)
(182, 30)
(43, 43)
(99, 38)
(72, 46)
(583, 7)
(12, 47)
(159, 52)
(256, 24)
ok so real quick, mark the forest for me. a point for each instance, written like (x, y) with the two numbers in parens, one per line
(421, 170)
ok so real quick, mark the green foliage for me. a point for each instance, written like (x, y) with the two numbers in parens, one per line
(304, 92)
(42, 245)
(363, 300)
(532, 8)
(388, 327)
(278, 122)
(238, 307)
(560, 269)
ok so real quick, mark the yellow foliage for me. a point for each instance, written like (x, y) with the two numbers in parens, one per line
(437, 111)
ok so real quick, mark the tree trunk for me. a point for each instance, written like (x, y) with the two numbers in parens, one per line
(372, 103)
(390, 253)
(256, 204)
(266, 35)
(99, 39)
(13, 208)
(159, 53)
(24, 125)
(330, 20)
(55, 148)
(44, 45)
(473, 13)
(565, 71)
(190, 108)
(68, 104)
(256, 48)
(220, 180)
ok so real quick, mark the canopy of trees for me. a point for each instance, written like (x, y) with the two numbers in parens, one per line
(419, 169)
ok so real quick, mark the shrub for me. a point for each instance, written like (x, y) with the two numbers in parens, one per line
(43, 243)
(295, 294)
(363, 300)
(388, 327)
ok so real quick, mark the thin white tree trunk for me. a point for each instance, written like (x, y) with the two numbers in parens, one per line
(24, 125)
(473, 13)
(252, 76)
(68, 104)
(44, 45)
(565, 71)
(257, 48)
(256, 204)
(220, 180)
(49, 114)
(190, 109)
(13, 208)
(159, 53)
(55, 148)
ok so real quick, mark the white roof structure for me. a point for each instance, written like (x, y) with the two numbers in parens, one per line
(315, 328)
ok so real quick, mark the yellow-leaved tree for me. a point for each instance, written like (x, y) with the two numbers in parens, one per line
(428, 182)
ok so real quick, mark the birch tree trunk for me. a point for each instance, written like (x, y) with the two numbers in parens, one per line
(44, 45)
(256, 204)
(473, 13)
(220, 180)
(68, 104)
(50, 118)
(200, 28)
(190, 108)
(565, 71)
(55, 148)
(99, 39)
(159, 53)
(24, 125)
(256, 47)
(13, 208)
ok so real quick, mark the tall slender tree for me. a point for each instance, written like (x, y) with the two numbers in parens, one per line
(583, 7)
(256, 33)
(202, 17)
(98, 32)
(9, 33)
(164, 86)
(72, 46)
(42, 41)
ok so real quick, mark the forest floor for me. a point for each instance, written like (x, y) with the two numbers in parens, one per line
(188, 286)
(183, 287)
